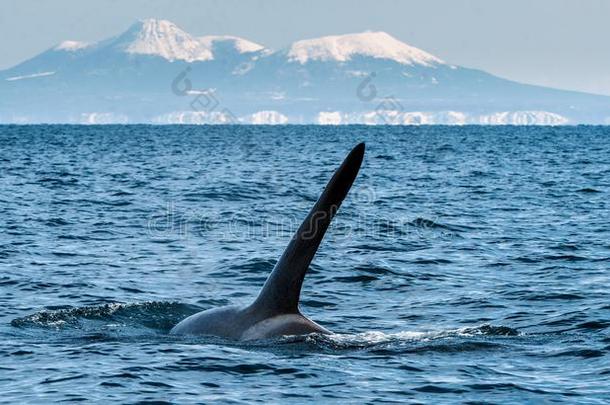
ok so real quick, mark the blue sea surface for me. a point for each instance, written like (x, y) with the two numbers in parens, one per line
(468, 264)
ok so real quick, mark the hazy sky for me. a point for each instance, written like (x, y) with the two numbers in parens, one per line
(558, 43)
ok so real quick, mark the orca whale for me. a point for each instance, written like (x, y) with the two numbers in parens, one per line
(275, 312)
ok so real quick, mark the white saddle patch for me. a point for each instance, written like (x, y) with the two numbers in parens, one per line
(281, 325)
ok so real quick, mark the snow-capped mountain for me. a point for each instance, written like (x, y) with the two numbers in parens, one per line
(342, 48)
(238, 45)
(149, 38)
(156, 72)
(161, 38)
(164, 39)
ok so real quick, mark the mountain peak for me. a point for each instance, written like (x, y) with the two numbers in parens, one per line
(165, 39)
(153, 23)
(241, 45)
(341, 48)
(162, 38)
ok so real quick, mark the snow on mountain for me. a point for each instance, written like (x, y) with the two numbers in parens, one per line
(238, 44)
(194, 118)
(31, 76)
(523, 118)
(162, 38)
(165, 39)
(341, 48)
(329, 118)
(221, 117)
(71, 46)
(266, 118)
(103, 118)
(390, 117)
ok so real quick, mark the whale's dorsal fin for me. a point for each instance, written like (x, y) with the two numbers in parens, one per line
(280, 294)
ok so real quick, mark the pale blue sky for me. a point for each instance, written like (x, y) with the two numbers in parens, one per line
(558, 43)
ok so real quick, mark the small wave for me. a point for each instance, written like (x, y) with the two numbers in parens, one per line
(55, 222)
(462, 339)
(424, 223)
(385, 157)
(568, 258)
(594, 325)
(152, 315)
(361, 278)
(236, 194)
(375, 269)
(53, 182)
(121, 193)
(490, 330)
(6, 281)
(431, 261)
(584, 353)
(479, 173)
(256, 265)
(566, 246)
(554, 296)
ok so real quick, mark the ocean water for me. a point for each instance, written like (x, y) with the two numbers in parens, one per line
(468, 264)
